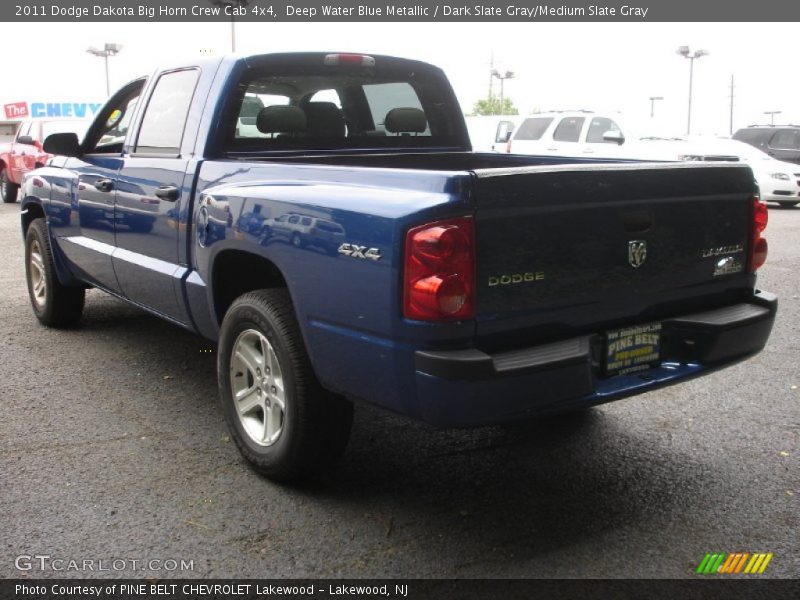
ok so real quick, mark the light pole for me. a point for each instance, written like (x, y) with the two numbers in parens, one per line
(772, 114)
(108, 50)
(502, 77)
(653, 104)
(233, 4)
(685, 53)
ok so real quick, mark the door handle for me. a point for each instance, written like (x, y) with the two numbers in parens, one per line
(104, 185)
(170, 193)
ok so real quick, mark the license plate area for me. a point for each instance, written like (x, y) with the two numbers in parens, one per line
(632, 349)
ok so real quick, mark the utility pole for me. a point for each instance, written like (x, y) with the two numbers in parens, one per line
(772, 114)
(653, 104)
(502, 77)
(232, 4)
(491, 75)
(732, 97)
(692, 56)
(108, 50)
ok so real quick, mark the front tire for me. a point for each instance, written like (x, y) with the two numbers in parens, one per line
(284, 423)
(54, 304)
(8, 190)
(786, 204)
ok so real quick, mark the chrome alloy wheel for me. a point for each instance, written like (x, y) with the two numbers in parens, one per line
(38, 282)
(257, 387)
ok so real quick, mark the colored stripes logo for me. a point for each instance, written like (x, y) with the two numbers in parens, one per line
(740, 562)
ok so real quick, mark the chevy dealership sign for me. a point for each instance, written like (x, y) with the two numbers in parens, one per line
(49, 110)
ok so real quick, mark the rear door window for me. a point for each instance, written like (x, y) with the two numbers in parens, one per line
(569, 129)
(533, 128)
(786, 139)
(164, 119)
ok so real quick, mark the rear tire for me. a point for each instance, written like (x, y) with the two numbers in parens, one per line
(8, 190)
(54, 304)
(786, 204)
(284, 423)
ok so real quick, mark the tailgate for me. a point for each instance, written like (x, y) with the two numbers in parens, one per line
(565, 250)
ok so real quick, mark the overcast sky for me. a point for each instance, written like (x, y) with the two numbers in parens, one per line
(557, 65)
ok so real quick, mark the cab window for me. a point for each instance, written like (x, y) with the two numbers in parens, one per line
(598, 127)
(533, 128)
(569, 129)
(108, 131)
(165, 117)
(786, 138)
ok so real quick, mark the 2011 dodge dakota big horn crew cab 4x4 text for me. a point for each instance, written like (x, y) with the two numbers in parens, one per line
(322, 217)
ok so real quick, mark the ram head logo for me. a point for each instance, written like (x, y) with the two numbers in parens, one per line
(637, 253)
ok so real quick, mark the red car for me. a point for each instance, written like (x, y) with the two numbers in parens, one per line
(25, 153)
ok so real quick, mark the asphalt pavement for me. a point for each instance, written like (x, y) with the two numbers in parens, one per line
(113, 447)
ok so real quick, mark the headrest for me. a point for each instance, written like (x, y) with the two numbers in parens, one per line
(405, 120)
(251, 105)
(280, 118)
(325, 119)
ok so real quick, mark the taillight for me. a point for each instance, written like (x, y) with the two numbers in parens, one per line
(439, 271)
(758, 248)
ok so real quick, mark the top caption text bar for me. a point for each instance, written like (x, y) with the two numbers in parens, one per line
(375, 10)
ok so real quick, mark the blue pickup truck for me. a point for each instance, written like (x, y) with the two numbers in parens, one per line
(323, 219)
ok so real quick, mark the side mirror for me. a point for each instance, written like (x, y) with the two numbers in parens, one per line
(26, 139)
(62, 144)
(614, 136)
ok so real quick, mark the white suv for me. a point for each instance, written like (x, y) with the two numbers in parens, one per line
(596, 135)
(572, 133)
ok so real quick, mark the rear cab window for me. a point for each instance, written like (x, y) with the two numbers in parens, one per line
(308, 103)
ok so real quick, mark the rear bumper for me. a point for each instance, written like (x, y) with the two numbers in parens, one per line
(470, 387)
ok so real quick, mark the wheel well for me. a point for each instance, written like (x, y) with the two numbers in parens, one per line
(236, 273)
(34, 211)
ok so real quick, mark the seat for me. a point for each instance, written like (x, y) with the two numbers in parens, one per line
(281, 119)
(405, 121)
(324, 120)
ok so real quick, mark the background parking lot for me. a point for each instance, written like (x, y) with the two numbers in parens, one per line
(112, 445)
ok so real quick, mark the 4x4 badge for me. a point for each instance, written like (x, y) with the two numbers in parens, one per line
(637, 253)
(355, 251)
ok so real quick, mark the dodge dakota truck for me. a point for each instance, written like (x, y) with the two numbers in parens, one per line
(323, 219)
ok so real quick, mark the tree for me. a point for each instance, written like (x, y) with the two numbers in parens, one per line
(491, 106)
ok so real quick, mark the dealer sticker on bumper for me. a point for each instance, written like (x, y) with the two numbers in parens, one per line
(633, 348)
